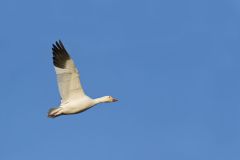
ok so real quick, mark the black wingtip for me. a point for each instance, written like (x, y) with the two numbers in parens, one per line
(60, 55)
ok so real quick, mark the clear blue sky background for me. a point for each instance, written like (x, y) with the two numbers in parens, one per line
(174, 65)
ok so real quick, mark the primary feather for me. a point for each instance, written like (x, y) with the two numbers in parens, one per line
(67, 74)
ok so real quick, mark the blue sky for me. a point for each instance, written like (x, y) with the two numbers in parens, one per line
(174, 65)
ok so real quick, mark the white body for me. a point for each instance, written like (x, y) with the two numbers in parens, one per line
(74, 100)
(77, 105)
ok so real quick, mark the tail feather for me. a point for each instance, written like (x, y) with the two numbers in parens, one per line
(51, 112)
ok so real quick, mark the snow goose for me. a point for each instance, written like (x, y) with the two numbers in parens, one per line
(74, 100)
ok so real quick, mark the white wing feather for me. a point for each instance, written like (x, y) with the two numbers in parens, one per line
(67, 74)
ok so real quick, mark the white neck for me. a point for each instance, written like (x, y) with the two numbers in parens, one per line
(99, 100)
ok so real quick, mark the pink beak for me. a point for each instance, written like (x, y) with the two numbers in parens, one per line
(115, 100)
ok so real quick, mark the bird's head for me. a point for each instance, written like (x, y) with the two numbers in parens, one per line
(108, 99)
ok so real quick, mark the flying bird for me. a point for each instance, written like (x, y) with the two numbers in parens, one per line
(74, 100)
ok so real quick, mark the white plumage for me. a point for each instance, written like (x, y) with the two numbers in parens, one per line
(74, 100)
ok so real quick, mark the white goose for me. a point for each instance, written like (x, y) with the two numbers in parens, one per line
(74, 100)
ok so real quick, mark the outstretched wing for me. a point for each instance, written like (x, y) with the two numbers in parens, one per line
(67, 74)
